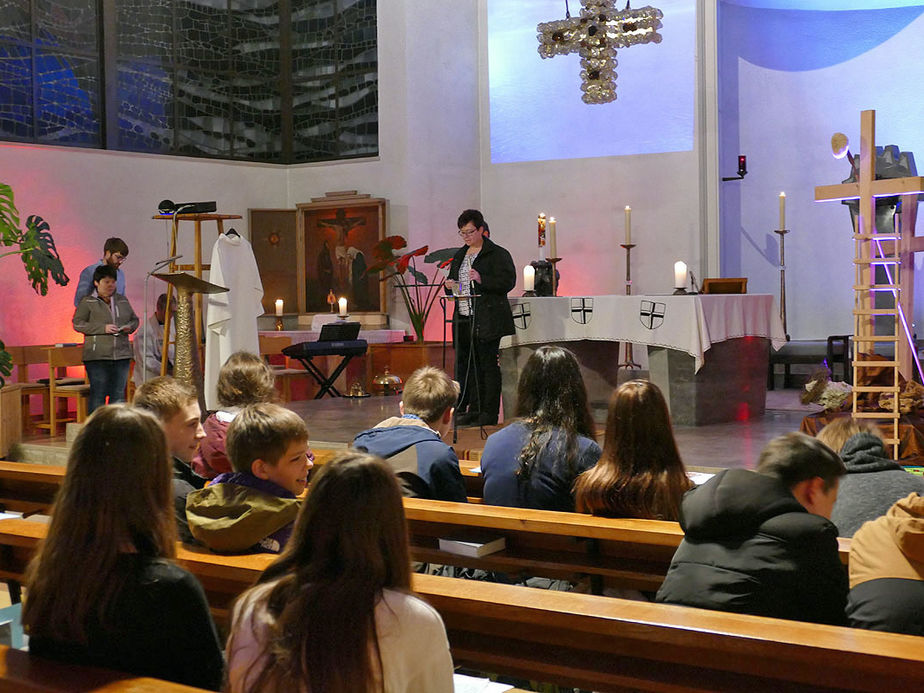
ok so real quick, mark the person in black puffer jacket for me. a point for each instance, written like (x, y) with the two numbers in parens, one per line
(873, 482)
(759, 543)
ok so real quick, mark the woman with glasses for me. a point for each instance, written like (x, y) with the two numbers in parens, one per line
(480, 276)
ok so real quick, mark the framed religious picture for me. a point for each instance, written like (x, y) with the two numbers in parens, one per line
(337, 235)
(274, 238)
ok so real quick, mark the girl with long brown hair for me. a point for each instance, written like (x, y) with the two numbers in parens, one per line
(335, 612)
(102, 590)
(640, 473)
(533, 462)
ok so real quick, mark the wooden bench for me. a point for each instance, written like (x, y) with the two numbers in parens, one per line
(22, 673)
(597, 642)
(835, 350)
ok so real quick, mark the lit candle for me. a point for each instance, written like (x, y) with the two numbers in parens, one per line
(553, 245)
(782, 211)
(279, 305)
(541, 229)
(343, 307)
(529, 278)
(628, 225)
(680, 274)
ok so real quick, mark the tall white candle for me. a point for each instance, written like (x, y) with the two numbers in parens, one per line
(529, 278)
(343, 306)
(680, 274)
(782, 211)
(279, 305)
(628, 225)
(553, 243)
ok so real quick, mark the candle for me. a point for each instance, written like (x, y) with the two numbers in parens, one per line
(279, 305)
(782, 211)
(541, 229)
(553, 245)
(628, 225)
(343, 307)
(529, 278)
(680, 274)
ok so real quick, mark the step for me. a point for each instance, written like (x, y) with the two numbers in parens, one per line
(47, 452)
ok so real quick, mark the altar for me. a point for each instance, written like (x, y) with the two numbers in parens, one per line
(708, 352)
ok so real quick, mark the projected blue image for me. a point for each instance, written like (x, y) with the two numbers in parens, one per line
(535, 105)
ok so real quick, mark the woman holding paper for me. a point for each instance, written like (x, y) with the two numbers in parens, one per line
(481, 275)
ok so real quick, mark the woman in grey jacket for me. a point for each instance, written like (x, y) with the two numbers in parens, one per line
(106, 318)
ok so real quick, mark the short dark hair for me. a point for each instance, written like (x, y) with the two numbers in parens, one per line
(103, 271)
(115, 245)
(795, 457)
(162, 302)
(471, 215)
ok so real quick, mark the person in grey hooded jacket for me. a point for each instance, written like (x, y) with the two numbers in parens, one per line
(106, 319)
(874, 481)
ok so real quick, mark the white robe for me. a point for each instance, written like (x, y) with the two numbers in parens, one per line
(231, 317)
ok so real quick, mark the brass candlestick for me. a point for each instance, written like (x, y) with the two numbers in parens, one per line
(630, 361)
(782, 234)
(554, 261)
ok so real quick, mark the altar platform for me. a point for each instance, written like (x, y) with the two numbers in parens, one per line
(708, 353)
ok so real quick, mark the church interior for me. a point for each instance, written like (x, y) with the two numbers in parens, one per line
(716, 136)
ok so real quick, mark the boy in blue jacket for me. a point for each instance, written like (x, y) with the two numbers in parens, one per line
(412, 443)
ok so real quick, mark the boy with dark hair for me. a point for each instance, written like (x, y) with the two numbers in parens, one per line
(114, 253)
(761, 543)
(412, 443)
(254, 507)
(176, 405)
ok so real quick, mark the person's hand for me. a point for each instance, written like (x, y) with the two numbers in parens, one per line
(112, 329)
(452, 285)
(476, 275)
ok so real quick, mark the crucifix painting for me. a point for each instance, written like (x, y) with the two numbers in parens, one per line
(338, 233)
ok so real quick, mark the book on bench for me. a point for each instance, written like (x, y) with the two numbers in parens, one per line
(475, 544)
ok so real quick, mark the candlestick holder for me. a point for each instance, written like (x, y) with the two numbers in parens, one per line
(527, 294)
(630, 361)
(782, 234)
(342, 317)
(554, 261)
(279, 323)
(680, 291)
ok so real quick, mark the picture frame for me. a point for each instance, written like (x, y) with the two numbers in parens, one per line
(274, 239)
(725, 285)
(337, 235)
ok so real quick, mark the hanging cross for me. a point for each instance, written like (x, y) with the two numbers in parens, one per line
(866, 190)
(595, 36)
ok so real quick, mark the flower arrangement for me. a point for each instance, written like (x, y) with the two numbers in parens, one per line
(418, 291)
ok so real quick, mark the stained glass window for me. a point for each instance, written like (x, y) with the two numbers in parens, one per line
(283, 81)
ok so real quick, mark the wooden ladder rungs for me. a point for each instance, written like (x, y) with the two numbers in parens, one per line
(877, 261)
(891, 441)
(876, 415)
(876, 388)
(876, 287)
(191, 268)
(875, 364)
(877, 338)
(876, 236)
(875, 311)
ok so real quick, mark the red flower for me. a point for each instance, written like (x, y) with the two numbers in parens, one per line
(404, 260)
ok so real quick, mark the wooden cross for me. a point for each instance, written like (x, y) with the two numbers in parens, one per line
(595, 36)
(866, 190)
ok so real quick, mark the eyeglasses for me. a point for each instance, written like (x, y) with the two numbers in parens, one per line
(467, 232)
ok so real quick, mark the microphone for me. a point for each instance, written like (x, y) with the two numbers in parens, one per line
(162, 263)
(693, 282)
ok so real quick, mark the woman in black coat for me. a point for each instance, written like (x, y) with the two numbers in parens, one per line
(483, 269)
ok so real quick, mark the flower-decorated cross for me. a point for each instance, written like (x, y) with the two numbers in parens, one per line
(595, 36)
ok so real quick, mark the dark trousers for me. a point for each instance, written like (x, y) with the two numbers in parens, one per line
(107, 379)
(477, 370)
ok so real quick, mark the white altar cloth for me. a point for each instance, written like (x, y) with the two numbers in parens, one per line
(690, 323)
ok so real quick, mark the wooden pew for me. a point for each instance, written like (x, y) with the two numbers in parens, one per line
(21, 673)
(625, 553)
(597, 642)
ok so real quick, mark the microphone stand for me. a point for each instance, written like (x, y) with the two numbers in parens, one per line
(144, 340)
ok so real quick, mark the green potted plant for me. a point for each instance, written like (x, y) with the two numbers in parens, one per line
(35, 247)
(418, 291)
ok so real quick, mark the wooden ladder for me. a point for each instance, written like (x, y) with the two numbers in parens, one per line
(877, 250)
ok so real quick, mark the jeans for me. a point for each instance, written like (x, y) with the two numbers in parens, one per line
(107, 379)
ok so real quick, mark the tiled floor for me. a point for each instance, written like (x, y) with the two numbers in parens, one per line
(336, 421)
